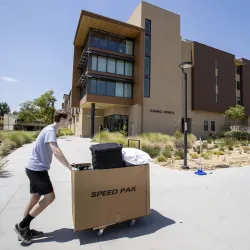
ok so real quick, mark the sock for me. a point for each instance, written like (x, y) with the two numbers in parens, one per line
(26, 221)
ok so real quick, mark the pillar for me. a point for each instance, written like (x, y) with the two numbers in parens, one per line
(92, 120)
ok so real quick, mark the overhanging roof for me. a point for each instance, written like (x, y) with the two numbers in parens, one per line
(91, 20)
(239, 62)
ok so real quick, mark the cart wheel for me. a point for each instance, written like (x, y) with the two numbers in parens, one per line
(131, 223)
(100, 232)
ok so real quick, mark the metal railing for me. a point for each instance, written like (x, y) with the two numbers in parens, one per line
(138, 141)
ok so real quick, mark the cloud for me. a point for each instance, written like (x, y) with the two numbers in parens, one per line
(8, 79)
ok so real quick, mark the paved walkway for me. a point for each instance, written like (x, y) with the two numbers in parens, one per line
(188, 212)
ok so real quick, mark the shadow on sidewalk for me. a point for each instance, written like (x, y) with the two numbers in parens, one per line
(143, 226)
(5, 174)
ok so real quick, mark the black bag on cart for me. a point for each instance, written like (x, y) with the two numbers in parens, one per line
(106, 155)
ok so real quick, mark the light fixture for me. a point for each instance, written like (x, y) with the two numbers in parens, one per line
(186, 65)
(183, 66)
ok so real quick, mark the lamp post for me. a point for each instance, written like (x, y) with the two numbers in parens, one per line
(183, 66)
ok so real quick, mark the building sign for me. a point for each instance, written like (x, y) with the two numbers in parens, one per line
(159, 111)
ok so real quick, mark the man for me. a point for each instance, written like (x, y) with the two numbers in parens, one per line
(37, 172)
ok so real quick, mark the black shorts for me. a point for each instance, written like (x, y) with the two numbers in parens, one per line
(39, 182)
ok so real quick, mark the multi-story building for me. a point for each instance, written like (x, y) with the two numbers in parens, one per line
(128, 73)
(1, 122)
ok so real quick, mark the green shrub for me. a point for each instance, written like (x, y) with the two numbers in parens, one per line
(177, 157)
(209, 140)
(191, 138)
(178, 134)
(36, 133)
(194, 155)
(244, 143)
(217, 152)
(222, 149)
(161, 158)
(206, 156)
(17, 138)
(64, 132)
(167, 152)
(229, 142)
(230, 148)
(215, 146)
(238, 134)
(156, 137)
(179, 153)
(152, 150)
(28, 137)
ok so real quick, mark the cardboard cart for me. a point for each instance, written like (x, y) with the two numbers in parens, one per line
(108, 196)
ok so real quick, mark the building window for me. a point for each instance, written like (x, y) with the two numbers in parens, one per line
(129, 47)
(120, 67)
(94, 62)
(205, 125)
(119, 89)
(147, 66)
(127, 90)
(103, 40)
(104, 64)
(111, 66)
(238, 100)
(109, 88)
(148, 26)
(146, 87)
(147, 44)
(128, 69)
(213, 126)
(100, 87)
(238, 85)
(147, 60)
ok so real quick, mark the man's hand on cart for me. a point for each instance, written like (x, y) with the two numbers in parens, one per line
(73, 167)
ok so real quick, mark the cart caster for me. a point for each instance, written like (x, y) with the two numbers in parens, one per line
(131, 223)
(99, 232)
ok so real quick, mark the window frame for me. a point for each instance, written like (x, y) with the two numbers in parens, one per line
(212, 124)
(205, 126)
(147, 54)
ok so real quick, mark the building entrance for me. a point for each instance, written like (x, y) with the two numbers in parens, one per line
(115, 122)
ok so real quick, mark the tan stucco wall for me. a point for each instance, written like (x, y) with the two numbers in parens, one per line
(165, 73)
(86, 121)
(135, 18)
(135, 120)
(198, 119)
(118, 110)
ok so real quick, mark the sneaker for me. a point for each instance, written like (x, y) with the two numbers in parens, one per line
(34, 234)
(23, 233)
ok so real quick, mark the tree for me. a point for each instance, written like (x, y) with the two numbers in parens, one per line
(41, 108)
(14, 113)
(4, 108)
(45, 104)
(235, 114)
(28, 112)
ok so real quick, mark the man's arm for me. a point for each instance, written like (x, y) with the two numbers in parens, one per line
(59, 155)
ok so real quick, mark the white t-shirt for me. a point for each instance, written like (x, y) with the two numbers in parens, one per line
(41, 155)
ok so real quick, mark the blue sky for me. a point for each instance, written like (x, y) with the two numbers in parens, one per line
(36, 37)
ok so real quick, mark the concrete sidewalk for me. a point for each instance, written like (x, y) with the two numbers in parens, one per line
(187, 211)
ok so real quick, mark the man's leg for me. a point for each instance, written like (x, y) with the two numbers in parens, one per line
(34, 198)
(42, 204)
(39, 183)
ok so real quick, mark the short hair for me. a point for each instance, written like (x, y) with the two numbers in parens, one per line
(60, 113)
